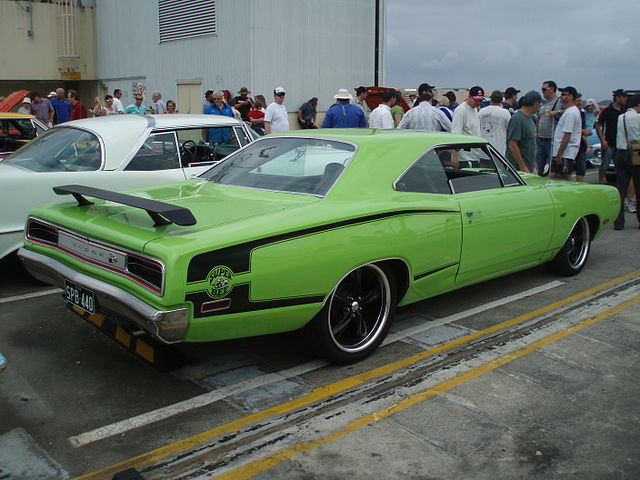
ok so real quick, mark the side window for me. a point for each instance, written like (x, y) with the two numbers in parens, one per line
(474, 168)
(509, 179)
(427, 175)
(208, 145)
(158, 152)
(242, 136)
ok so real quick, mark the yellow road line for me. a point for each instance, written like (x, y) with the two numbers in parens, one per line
(263, 464)
(323, 392)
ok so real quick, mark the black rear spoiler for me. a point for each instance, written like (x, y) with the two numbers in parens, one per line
(161, 213)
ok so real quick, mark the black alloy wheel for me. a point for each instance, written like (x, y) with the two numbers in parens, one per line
(356, 316)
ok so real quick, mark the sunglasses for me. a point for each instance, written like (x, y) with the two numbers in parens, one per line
(544, 89)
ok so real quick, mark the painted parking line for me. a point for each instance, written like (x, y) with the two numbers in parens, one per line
(208, 398)
(27, 296)
(270, 461)
(323, 392)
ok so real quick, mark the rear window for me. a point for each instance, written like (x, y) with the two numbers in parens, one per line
(59, 150)
(292, 165)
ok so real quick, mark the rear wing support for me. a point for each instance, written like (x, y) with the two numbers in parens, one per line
(161, 213)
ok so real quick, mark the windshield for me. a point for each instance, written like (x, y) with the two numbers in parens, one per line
(59, 149)
(293, 165)
(18, 128)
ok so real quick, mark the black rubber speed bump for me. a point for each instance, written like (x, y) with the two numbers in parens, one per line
(157, 354)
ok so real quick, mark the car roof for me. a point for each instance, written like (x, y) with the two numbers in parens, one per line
(363, 136)
(16, 115)
(121, 133)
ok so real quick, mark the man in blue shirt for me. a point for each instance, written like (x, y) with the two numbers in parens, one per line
(62, 107)
(343, 114)
(136, 106)
(218, 107)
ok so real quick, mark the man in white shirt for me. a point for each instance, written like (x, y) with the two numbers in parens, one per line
(494, 121)
(628, 132)
(381, 115)
(566, 138)
(466, 122)
(465, 117)
(424, 116)
(276, 118)
(117, 103)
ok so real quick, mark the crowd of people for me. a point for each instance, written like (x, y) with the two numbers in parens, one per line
(58, 107)
(540, 132)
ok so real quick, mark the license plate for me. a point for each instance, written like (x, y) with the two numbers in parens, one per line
(80, 296)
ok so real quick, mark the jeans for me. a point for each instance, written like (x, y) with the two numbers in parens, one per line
(625, 172)
(608, 154)
(543, 154)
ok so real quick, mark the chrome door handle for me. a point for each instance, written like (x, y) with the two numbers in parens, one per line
(471, 213)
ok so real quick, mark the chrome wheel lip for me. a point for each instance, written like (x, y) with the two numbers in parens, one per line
(383, 313)
(577, 261)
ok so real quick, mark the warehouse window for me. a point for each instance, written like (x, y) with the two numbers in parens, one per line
(180, 19)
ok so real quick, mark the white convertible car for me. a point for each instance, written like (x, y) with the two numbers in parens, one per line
(119, 152)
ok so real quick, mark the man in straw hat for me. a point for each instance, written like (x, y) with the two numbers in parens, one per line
(344, 114)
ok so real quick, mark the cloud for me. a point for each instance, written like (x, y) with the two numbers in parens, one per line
(577, 42)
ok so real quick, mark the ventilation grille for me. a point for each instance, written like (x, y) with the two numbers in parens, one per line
(180, 19)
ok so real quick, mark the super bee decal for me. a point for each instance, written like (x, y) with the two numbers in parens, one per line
(220, 281)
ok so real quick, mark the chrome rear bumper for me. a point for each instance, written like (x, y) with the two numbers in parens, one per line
(168, 326)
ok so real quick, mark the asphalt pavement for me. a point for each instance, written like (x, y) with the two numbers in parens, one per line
(527, 376)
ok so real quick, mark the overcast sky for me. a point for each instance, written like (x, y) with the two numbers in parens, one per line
(592, 45)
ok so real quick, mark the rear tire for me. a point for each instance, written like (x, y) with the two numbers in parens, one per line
(356, 316)
(572, 257)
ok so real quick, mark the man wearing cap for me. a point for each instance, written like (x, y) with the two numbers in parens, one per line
(548, 116)
(494, 120)
(243, 103)
(607, 129)
(343, 114)
(381, 116)
(422, 89)
(521, 134)
(62, 107)
(42, 109)
(425, 116)
(361, 97)
(26, 106)
(511, 100)
(567, 136)
(276, 118)
(465, 117)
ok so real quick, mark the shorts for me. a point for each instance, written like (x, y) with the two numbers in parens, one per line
(565, 168)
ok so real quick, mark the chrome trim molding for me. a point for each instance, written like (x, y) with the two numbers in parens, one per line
(169, 326)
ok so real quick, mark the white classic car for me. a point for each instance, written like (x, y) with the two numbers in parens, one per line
(118, 152)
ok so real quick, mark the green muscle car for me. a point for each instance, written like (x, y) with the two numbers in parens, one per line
(326, 231)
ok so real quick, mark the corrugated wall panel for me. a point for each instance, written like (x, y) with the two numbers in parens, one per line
(310, 47)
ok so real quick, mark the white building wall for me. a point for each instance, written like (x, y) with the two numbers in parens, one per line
(309, 47)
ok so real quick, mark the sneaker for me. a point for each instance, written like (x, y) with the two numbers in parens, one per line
(631, 204)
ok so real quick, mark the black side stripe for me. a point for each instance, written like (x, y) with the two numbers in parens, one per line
(236, 257)
(435, 270)
(241, 303)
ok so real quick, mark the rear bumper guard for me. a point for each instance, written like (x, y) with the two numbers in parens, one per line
(168, 326)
